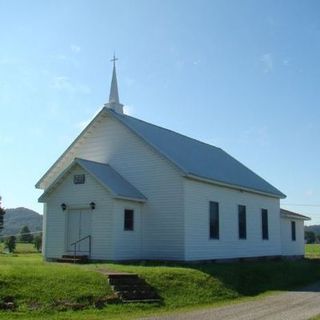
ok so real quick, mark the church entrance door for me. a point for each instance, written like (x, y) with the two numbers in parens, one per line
(78, 227)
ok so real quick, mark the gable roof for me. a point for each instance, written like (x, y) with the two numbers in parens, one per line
(198, 159)
(195, 159)
(293, 215)
(106, 176)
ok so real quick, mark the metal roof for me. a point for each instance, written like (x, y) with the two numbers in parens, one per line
(196, 158)
(107, 176)
(289, 214)
(110, 178)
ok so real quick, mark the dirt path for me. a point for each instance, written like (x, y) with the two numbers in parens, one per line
(293, 305)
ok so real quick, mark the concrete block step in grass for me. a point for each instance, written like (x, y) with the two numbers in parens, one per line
(126, 280)
(132, 288)
(137, 295)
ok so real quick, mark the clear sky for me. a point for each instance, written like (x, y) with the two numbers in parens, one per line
(242, 75)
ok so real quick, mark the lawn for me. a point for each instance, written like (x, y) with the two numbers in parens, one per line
(21, 248)
(312, 251)
(51, 291)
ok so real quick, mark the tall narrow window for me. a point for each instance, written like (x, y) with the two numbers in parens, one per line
(128, 220)
(265, 227)
(242, 222)
(214, 220)
(293, 230)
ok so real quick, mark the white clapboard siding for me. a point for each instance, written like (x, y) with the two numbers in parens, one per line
(290, 247)
(198, 246)
(162, 215)
(127, 245)
(154, 176)
(44, 230)
(79, 195)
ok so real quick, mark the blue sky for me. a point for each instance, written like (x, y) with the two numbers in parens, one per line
(242, 75)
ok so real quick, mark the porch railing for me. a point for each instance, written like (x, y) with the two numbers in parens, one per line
(74, 244)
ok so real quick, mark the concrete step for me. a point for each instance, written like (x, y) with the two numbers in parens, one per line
(131, 288)
(138, 295)
(125, 281)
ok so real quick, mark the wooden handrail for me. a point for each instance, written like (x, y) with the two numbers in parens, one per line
(75, 246)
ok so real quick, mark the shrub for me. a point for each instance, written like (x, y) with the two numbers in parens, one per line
(10, 243)
(37, 242)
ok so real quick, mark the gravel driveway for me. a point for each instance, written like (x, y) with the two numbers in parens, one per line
(294, 305)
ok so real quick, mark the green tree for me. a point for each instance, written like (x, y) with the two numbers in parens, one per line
(25, 235)
(10, 243)
(2, 213)
(37, 242)
(310, 236)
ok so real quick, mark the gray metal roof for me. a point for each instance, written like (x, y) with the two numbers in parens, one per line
(111, 179)
(290, 214)
(105, 175)
(196, 158)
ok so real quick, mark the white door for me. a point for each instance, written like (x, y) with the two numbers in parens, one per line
(85, 230)
(78, 227)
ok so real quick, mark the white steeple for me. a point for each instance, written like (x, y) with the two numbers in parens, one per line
(114, 102)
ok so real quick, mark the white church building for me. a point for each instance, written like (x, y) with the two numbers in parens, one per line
(126, 189)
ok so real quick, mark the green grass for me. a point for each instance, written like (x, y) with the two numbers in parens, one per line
(21, 248)
(32, 284)
(42, 290)
(312, 251)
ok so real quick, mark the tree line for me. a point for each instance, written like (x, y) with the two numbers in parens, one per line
(311, 237)
(25, 235)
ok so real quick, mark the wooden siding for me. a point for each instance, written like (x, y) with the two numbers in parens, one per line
(289, 247)
(44, 230)
(162, 215)
(200, 247)
(79, 195)
(127, 244)
(153, 175)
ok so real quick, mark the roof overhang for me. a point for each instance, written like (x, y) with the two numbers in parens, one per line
(285, 214)
(234, 187)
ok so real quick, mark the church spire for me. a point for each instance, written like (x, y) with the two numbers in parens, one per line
(114, 95)
(114, 102)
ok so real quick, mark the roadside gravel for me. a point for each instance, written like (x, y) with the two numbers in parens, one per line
(292, 305)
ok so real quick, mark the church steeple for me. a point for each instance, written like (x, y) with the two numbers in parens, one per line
(114, 95)
(114, 102)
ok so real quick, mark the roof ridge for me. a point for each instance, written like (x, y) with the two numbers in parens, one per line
(166, 129)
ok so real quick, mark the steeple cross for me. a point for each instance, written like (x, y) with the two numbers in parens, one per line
(114, 59)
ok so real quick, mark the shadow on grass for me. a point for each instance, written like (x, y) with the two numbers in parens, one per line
(251, 278)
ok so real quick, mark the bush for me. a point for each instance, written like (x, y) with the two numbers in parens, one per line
(37, 242)
(10, 243)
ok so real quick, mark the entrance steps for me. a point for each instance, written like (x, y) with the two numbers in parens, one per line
(130, 288)
(73, 259)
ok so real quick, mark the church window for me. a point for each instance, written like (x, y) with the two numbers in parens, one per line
(79, 179)
(128, 219)
(213, 220)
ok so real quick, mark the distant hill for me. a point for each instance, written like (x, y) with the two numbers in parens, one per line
(15, 219)
(315, 228)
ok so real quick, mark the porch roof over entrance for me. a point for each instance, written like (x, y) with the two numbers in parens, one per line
(106, 176)
(111, 179)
